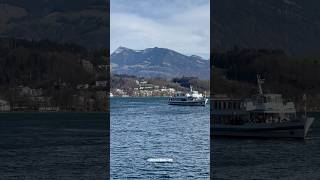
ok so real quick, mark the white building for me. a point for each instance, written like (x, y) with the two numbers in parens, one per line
(4, 105)
(82, 86)
(49, 108)
(87, 65)
(101, 83)
(26, 91)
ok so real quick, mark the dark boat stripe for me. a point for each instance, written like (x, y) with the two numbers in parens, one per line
(258, 129)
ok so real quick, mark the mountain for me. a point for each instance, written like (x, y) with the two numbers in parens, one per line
(82, 22)
(290, 25)
(158, 62)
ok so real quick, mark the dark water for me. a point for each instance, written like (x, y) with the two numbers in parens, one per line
(267, 159)
(143, 128)
(53, 146)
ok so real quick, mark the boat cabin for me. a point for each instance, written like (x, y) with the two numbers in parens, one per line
(270, 108)
(228, 111)
(267, 108)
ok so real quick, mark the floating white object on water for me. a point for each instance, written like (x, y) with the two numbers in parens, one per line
(160, 160)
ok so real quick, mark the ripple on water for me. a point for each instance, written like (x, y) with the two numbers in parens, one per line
(149, 128)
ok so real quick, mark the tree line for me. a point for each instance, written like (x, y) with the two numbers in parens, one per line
(235, 71)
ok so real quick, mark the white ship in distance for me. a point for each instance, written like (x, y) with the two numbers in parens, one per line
(192, 98)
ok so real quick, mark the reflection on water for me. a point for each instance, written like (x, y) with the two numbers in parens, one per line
(152, 140)
(53, 146)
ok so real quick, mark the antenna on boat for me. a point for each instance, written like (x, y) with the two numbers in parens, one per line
(305, 104)
(190, 88)
(260, 82)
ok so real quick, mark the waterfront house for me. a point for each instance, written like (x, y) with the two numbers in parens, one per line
(87, 65)
(4, 105)
(101, 83)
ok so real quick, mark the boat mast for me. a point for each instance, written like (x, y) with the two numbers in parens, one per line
(260, 82)
(305, 105)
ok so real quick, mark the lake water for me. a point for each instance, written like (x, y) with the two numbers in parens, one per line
(53, 146)
(144, 130)
(267, 158)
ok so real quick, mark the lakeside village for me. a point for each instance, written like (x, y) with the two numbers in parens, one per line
(143, 87)
(60, 96)
(84, 98)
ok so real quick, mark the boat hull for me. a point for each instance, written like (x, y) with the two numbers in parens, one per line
(188, 103)
(282, 130)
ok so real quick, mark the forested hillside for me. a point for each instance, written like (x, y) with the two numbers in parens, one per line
(48, 74)
(291, 25)
(235, 73)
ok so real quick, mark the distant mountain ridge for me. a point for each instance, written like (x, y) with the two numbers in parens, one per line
(82, 22)
(158, 62)
(290, 25)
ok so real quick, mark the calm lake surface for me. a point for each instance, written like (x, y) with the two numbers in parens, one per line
(53, 146)
(143, 128)
(267, 158)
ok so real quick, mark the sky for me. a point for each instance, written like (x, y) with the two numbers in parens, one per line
(180, 25)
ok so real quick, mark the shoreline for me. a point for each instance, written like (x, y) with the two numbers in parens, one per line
(40, 112)
(143, 97)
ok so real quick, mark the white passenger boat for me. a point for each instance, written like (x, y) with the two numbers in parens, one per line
(265, 115)
(192, 98)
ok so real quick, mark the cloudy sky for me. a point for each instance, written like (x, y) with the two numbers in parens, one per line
(181, 25)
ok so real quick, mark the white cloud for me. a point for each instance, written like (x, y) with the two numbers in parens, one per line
(186, 30)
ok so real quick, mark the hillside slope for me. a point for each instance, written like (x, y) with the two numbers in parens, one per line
(290, 25)
(158, 62)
